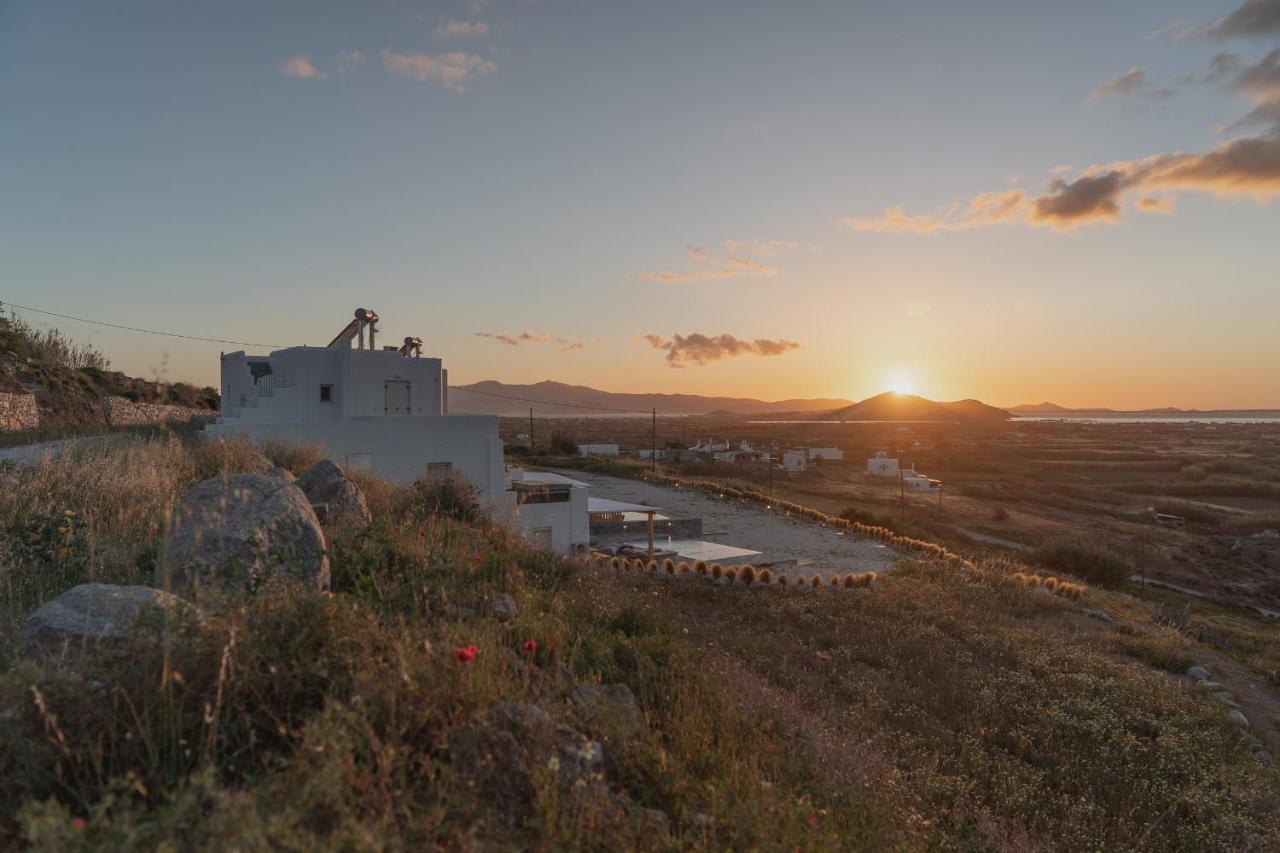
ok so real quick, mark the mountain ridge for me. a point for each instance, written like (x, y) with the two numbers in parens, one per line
(491, 396)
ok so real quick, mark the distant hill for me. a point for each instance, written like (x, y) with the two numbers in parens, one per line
(1054, 409)
(891, 406)
(70, 380)
(557, 398)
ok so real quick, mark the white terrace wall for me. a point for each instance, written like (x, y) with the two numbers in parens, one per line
(120, 410)
(18, 411)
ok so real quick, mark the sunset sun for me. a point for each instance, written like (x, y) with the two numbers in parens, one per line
(901, 383)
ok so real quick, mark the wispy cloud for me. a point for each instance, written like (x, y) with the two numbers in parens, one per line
(462, 29)
(1121, 84)
(1254, 18)
(699, 349)
(451, 70)
(735, 264)
(917, 308)
(529, 337)
(1246, 166)
(302, 68)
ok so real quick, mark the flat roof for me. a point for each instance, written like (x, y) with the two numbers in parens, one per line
(546, 478)
(602, 505)
(699, 549)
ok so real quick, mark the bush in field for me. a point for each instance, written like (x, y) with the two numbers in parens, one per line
(448, 497)
(562, 444)
(1086, 561)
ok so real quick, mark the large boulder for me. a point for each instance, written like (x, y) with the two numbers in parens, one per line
(241, 531)
(500, 752)
(95, 612)
(337, 501)
(611, 708)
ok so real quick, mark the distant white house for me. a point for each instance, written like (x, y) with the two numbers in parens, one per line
(551, 510)
(380, 410)
(826, 454)
(912, 479)
(794, 461)
(710, 447)
(597, 450)
(881, 465)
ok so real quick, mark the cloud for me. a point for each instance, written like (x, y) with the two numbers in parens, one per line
(730, 267)
(1245, 166)
(529, 337)
(302, 68)
(1156, 204)
(1261, 81)
(761, 248)
(1254, 18)
(699, 349)
(464, 29)
(451, 70)
(917, 309)
(1122, 84)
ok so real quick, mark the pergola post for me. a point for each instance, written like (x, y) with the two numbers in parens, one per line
(649, 515)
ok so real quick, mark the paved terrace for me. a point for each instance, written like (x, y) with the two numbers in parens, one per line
(747, 525)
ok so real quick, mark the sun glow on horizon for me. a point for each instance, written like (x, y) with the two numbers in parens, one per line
(901, 383)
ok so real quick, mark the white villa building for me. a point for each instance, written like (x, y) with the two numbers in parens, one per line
(881, 465)
(385, 411)
(794, 461)
(551, 510)
(912, 479)
(597, 450)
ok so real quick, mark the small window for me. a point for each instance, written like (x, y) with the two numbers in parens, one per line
(326, 393)
(439, 470)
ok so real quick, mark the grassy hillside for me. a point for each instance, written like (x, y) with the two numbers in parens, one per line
(69, 379)
(941, 708)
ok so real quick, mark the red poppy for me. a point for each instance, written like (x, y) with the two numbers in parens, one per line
(465, 654)
(479, 558)
(422, 534)
(529, 646)
(813, 820)
(79, 823)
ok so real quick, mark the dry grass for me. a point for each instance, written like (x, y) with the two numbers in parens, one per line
(315, 721)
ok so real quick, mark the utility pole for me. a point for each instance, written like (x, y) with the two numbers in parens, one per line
(771, 467)
(655, 439)
(902, 495)
(531, 430)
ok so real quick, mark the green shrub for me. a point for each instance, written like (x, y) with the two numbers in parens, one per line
(1085, 561)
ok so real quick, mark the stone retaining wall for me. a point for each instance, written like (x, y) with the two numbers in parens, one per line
(18, 411)
(119, 410)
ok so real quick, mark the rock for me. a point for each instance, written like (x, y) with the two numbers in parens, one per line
(1226, 698)
(655, 821)
(503, 751)
(241, 531)
(1263, 756)
(501, 607)
(1101, 615)
(338, 501)
(1199, 673)
(1211, 686)
(612, 707)
(1236, 718)
(94, 611)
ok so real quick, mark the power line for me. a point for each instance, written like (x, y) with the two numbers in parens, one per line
(251, 344)
(548, 402)
(144, 331)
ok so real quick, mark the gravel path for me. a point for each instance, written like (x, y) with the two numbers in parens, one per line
(745, 524)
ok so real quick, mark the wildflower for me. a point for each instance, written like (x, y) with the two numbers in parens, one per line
(422, 534)
(69, 514)
(479, 558)
(78, 823)
(529, 646)
(553, 763)
(465, 654)
(813, 820)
